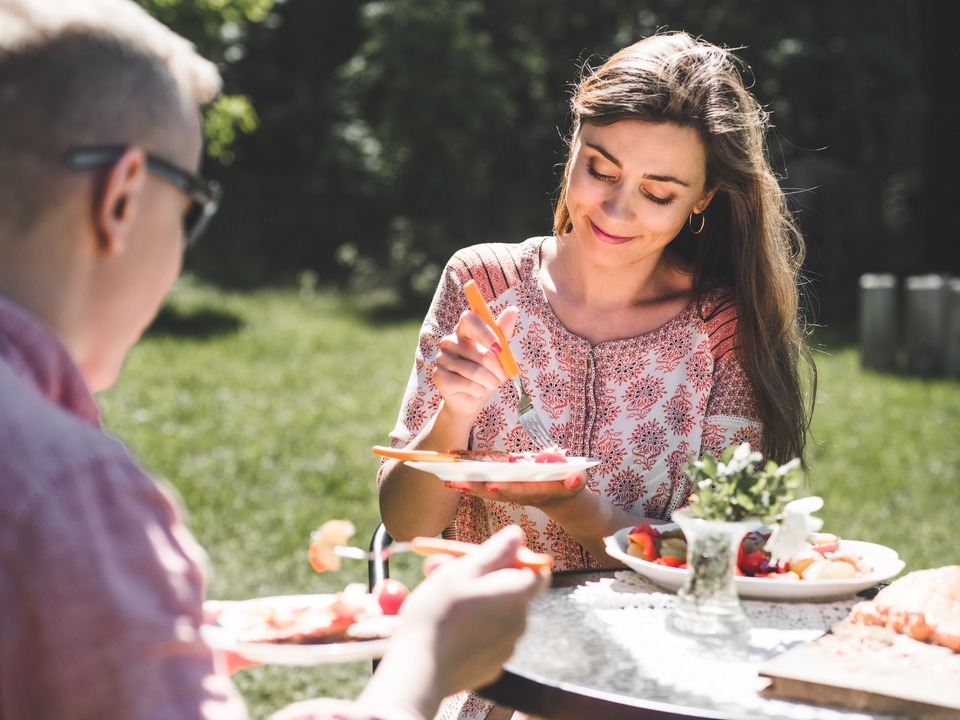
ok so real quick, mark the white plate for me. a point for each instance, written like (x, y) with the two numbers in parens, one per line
(484, 471)
(885, 562)
(232, 620)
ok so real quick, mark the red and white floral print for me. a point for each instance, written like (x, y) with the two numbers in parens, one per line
(642, 405)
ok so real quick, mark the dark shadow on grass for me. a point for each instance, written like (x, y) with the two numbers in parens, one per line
(200, 324)
(388, 314)
(378, 308)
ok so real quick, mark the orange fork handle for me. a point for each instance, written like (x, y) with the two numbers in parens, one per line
(420, 455)
(526, 558)
(477, 304)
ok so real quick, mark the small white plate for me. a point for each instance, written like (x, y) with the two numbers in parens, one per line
(232, 620)
(885, 562)
(484, 471)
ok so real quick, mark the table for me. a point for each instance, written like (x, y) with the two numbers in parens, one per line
(596, 647)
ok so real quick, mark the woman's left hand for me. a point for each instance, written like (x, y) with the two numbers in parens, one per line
(540, 495)
(586, 516)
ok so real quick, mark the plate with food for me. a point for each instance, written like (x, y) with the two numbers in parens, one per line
(492, 465)
(830, 567)
(303, 629)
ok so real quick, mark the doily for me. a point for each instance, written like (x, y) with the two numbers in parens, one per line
(615, 640)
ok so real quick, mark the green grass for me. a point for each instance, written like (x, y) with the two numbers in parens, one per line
(261, 408)
(886, 458)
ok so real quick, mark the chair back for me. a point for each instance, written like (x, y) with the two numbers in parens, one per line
(378, 567)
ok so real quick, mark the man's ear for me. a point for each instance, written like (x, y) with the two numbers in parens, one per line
(118, 203)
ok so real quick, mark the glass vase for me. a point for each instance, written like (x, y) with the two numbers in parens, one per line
(708, 604)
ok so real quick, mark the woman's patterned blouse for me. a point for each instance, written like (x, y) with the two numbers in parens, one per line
(643, 405)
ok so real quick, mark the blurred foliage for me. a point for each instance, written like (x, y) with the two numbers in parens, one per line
(392, 133)
(218, 29)
(226, 116)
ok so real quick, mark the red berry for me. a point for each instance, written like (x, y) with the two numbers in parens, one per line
(755, 563)
(550, 456)
(670, 562)
(642, 545)
(390, 594)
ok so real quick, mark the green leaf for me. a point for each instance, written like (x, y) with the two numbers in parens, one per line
(733, 489)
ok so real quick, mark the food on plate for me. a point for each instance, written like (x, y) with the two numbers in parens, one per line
(551, 455)
(548, 455)
(923, 604)
(822, 560)
(324, 539)
(343, 617)
(390, 594)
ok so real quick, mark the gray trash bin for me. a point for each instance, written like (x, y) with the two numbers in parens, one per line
(926, 324)
(878, 322)
(952, 362)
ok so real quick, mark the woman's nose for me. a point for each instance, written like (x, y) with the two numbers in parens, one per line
(618, 203)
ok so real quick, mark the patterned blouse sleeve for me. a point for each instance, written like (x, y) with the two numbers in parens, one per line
(732, 415)
(421, 398)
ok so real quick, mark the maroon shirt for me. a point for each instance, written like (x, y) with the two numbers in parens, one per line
(101, 584)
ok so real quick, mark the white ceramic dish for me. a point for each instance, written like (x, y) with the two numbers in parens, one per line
(232, 620)
(885, 562)
(483, 471)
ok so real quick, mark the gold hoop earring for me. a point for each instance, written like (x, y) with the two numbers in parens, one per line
(703, 222)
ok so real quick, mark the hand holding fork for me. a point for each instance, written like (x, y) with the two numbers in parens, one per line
(529, 418)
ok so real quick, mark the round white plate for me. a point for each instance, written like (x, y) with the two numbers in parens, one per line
(484, 471)
(885, 562)
(232, 620)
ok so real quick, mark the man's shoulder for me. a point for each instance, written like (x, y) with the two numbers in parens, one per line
(42, 445)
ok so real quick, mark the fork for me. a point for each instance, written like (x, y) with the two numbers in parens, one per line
(526, 558)
(530, 420)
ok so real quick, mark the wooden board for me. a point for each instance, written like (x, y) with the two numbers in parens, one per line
(872, 669)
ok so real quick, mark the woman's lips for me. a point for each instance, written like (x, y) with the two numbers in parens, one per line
(607, 237)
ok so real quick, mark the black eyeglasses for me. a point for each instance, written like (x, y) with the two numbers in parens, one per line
(204, 194)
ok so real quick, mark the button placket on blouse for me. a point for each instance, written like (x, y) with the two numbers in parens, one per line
(590, 400)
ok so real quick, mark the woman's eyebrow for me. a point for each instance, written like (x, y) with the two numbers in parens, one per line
(656, 178)
(667, 178)
(603, 151)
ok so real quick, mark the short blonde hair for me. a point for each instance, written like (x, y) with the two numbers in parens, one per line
(26, 23)
(84, 72)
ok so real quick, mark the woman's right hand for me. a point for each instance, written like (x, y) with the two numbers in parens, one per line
(468, 369)
(467, 373)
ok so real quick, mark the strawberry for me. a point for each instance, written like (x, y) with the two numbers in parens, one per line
(390, 594)
(643, 542)
(550, 456)
(754, 563)
(670, 562)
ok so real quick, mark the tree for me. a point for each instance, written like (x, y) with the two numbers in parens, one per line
(939, 228)
(392, 133)
(218, 29)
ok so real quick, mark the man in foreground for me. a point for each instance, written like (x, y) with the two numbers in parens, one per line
(101, 585)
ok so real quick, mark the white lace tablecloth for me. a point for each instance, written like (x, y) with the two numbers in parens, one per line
(610, 636)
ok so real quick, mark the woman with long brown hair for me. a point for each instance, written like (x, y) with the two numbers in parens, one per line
(658, 322)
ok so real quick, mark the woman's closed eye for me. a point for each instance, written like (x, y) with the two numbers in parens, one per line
(657, 200)
(592, 169)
